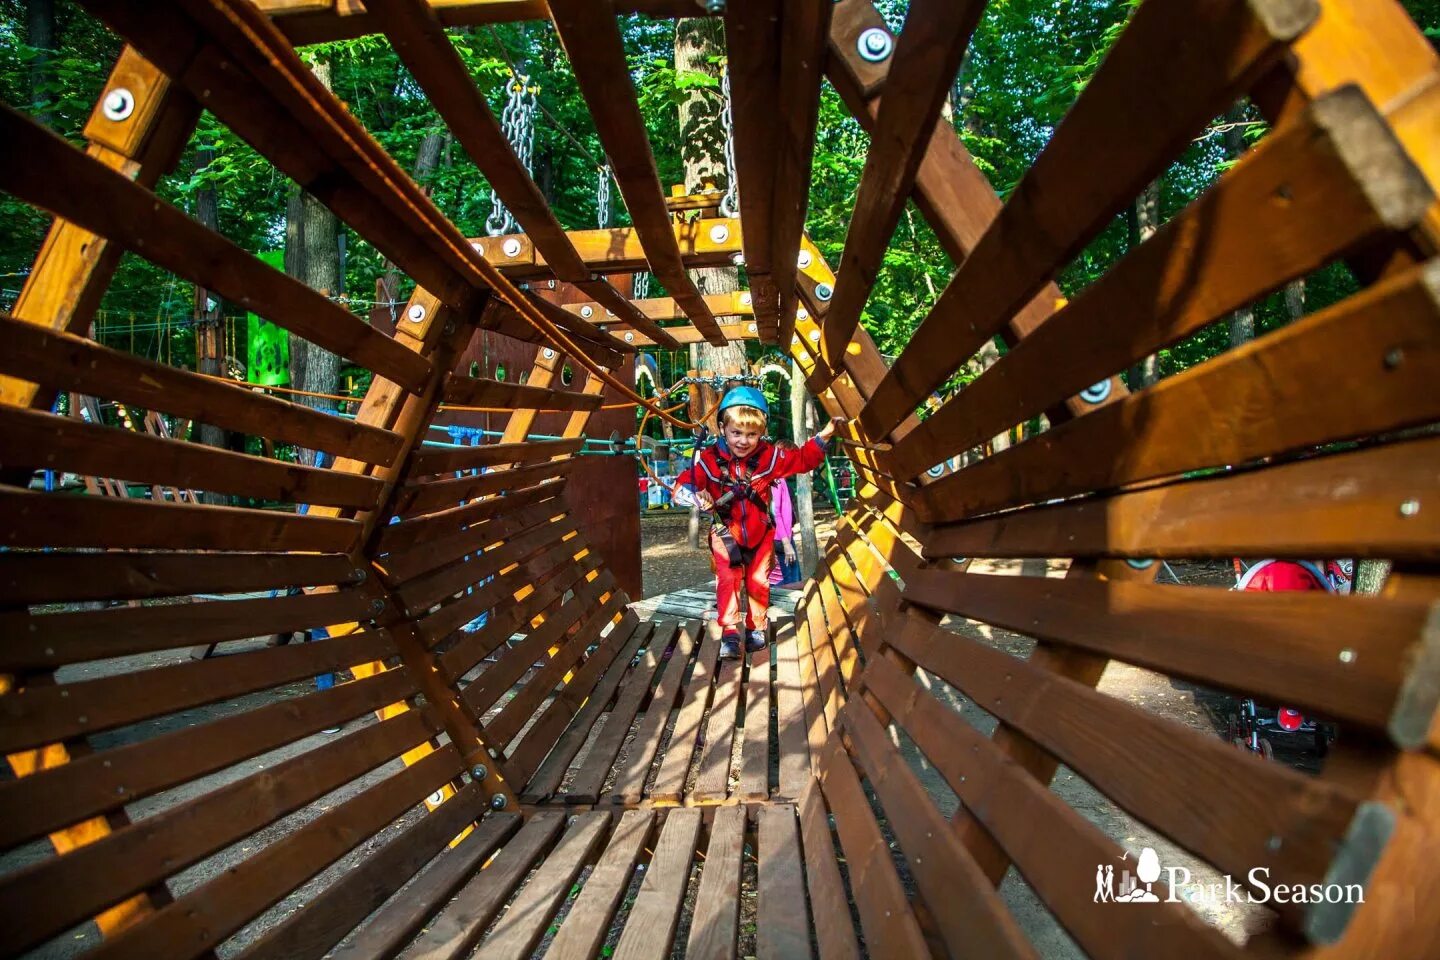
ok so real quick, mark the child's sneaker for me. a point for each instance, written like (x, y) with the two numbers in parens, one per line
(730, 647)
(755, 640)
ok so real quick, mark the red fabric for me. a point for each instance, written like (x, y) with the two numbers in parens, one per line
(737, 587)
(769, 463)
(1278, 575)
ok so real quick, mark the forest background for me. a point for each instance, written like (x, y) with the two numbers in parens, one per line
(1028, 61)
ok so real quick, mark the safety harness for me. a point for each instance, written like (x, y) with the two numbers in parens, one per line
(739, 495)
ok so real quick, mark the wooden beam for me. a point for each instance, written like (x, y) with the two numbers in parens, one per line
(419, 38)
(803, 30)
(597, 55)
(702, 243)
(1089, 171)
(925, 61)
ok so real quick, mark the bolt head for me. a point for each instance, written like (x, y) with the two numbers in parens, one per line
(549, 354)
(823, 291)
(804, 260)
(497, 802)
(119, 104)
(815, 336)
(875, 44)
(587, 311)
(1393, 357)
(752, 328)
(478, 772)
(1410, 508)
(629, 337)
(1096, 392)
(719, 233)
(416, 313)
(746, 299)
(511, 247)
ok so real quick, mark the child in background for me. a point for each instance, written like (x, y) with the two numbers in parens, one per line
(787, 567)
(733, 478)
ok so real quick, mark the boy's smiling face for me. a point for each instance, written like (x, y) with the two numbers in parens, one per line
(742, 438)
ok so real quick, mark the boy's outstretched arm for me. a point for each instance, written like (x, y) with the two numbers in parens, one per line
(809, 454)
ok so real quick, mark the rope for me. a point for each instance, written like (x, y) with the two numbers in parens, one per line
(342, 399)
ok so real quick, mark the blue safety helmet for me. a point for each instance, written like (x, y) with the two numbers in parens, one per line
(745, 397)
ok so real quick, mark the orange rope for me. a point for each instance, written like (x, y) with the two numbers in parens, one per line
(443, 406)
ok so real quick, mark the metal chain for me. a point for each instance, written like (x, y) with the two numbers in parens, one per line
(641, 288)
(730, 203)
(518, 124)
(602, 198)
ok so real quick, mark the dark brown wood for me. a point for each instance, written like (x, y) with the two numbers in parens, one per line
(389, 930)
(39, 641)
(34, 716)
(1037, 828)
(923, 66)
(480, 392)
(782, 924)
(115, 207)
(460, 925)
(515, 714)
(1230, 515)
(446, 460)
(588, 922)
(834, 930)
(407, 566)
(1247, 801)
(550, 739)
(597, 55)
(56, 520)
(793, 741)
(675, 765)
(650, 925)
(1260, 417)
(321, 923)
(600, 758)
(712, 778)
(889, 924)
(96, 782)
(714, 927)
(423, 592)
(53, 442)
(423, 497)
(29, 577)
(206, 916)
(67, 362)
(967, 910)
(630, 778)
(419, 530)
(142, 854)
(1057, 208)
(1312, 191)
(755, 753)
(517, 933)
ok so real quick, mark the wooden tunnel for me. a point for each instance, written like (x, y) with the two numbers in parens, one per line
(573, 778)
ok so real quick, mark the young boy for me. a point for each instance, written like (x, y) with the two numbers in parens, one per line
(732, 479)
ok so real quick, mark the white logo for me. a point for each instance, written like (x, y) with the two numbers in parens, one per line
(1139, 886)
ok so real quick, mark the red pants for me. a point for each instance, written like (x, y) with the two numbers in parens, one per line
(732, 585)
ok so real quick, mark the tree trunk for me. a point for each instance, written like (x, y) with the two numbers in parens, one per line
(802, 416)
(1370, 576)
(1295, 299)
(1143, 224)
(1242, 321)
(208, 311)
(427, 158)
(319, 371)
(40, 34)
(295, 267)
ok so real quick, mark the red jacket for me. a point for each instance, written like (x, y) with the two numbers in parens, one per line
(717, 470)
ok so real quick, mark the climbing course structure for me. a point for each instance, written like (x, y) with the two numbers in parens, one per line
(522, 763)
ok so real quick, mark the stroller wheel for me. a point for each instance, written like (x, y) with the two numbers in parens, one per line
(1267, 749)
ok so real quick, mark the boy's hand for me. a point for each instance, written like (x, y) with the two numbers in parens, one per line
(705, 501)
(828, 431)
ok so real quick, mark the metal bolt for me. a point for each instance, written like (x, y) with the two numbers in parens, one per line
(1274, 843)
(823, 291)
(478, 772)
(802, 314)
(815, 336)
(713, 7)
(746, 299)
(719, 233)
(1393, 356)
(794, 341)
(119, 104)
(586, 311)
(753, 328)
(629, 337)
(359, 574)
(417, 313)
(550, 284)
(875, 44)
(511, 247)
(609, 312)
(1347, 655)
(450, 327)
(803, 260)
(1140, 564)
(549, 354)
(497, 802)
(1409, 508)
(377, 605)
(1096, 392)
(477, 246)
(494, 753)
(738, 259)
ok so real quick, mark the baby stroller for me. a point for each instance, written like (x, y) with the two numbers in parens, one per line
(1255, 727)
